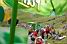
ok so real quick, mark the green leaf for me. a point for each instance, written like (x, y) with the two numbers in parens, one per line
(1, 13)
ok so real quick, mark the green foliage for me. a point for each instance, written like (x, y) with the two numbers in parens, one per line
(1, 13)
(11, 2)
(19, 39)
(45, 8)
(61, 7)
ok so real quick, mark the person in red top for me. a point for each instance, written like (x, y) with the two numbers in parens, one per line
(39, 40)
(35, 34)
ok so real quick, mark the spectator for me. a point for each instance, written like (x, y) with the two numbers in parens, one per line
(39, 40)
(30, 31)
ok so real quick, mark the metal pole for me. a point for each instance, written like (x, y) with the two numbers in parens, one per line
(13, 21)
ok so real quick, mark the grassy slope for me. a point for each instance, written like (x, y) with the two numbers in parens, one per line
(63, 41)
(26, 17)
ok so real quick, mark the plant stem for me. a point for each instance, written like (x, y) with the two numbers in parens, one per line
(13, 21)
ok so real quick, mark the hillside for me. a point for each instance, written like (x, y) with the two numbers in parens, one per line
(57, 21)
